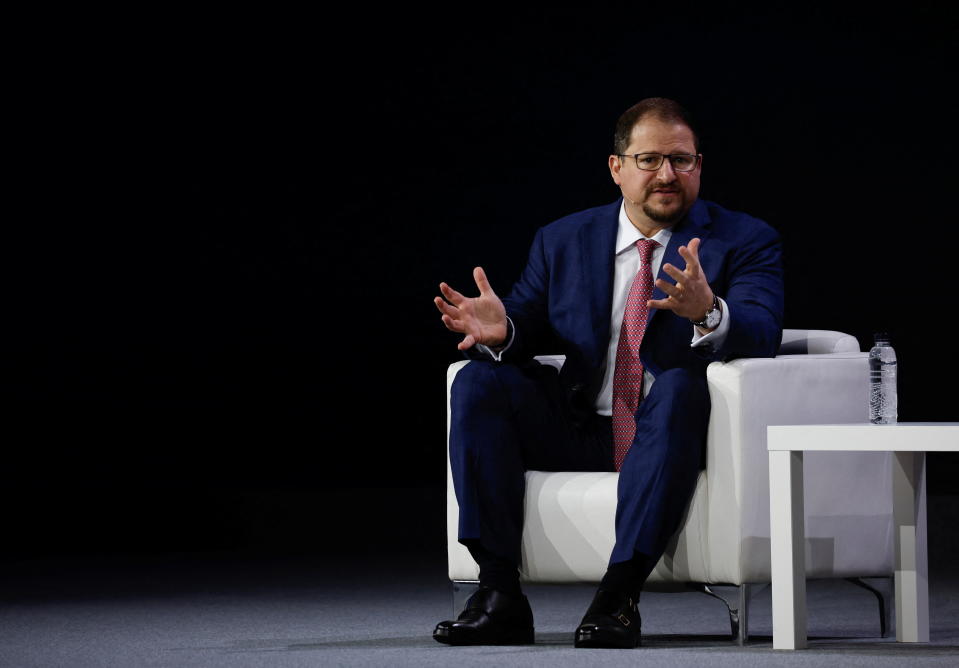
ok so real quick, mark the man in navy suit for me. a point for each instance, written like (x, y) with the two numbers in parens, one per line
(718, 295)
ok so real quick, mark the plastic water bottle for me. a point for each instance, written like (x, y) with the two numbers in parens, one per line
(883, 405)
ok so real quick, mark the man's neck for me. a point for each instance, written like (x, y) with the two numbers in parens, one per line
(646, 226)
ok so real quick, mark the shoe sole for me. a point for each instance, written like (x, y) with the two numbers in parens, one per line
(600, 640)
(525, 637)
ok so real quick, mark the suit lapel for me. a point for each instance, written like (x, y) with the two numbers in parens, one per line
(598, 244)
(598, 253)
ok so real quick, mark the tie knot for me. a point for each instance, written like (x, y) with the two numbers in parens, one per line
(646, 247)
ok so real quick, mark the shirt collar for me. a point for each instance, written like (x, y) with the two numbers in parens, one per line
(628, 235)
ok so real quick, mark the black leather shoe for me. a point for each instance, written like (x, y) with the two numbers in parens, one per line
(489, 618)
(612, 620)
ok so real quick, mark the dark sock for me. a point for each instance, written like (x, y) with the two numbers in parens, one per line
(628, 577)
(496, 572)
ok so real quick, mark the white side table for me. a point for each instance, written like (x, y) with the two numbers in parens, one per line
(910, 441)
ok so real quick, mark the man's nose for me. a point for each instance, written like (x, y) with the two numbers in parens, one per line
(665, 171)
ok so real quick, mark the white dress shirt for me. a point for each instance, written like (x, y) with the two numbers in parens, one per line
(627, 264)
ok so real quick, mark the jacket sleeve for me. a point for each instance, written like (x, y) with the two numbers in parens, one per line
(755, 297)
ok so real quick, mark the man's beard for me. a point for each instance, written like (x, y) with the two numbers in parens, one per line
(661, 216)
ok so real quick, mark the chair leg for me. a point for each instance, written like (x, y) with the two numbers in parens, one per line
(883, 592)
(462, 590)
(737, 604)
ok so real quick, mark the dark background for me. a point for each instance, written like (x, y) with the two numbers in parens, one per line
(228, 232)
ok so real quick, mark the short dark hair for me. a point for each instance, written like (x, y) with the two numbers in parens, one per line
(660, 107)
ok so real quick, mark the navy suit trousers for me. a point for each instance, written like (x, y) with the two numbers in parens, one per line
(506, 420)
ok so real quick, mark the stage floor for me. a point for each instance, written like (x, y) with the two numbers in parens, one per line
(288, 600)
(261, 610)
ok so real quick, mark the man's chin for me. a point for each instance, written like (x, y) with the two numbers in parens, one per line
(664, 216)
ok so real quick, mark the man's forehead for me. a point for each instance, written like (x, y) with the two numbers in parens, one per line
(651, 132)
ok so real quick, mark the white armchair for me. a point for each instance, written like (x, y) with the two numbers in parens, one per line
(819, 376)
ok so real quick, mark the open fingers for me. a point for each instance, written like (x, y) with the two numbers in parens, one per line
(452, 324)
(468, 341)
(444, 307)
(660, 304)
(690, 253)
(669, 288)
(451, 295)
(481, 281)
(677, 275)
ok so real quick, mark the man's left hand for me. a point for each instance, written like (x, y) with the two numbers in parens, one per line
(690, 297)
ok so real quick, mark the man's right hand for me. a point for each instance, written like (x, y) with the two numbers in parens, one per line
(482, 319)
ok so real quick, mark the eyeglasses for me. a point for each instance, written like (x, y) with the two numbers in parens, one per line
(650, 162)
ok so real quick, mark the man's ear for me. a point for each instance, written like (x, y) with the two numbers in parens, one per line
(615, 164)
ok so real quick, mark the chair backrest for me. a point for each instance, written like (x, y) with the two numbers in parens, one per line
(816, 342)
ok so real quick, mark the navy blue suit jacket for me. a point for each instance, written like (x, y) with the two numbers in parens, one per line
(562, 302)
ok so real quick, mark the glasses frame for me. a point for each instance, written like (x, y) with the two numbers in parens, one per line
(665, 156)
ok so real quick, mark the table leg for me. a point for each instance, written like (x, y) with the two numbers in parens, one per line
(787, 542)
(909, 511)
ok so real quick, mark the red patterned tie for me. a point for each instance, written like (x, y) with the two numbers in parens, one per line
(628, 377)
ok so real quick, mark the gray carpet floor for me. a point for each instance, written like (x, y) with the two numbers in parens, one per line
(229, 610)
(306, 606)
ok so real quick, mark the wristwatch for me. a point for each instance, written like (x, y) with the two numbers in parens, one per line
(713, 316)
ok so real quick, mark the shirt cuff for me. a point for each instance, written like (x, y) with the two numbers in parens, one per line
(716, 337)
(498, 354)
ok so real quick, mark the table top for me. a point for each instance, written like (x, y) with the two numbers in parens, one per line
(901, 437)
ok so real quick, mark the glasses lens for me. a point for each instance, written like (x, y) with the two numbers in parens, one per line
(649, 161)
(683, 163)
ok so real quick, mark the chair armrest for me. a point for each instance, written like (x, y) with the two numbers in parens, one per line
(747, 395)
(816, 341)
